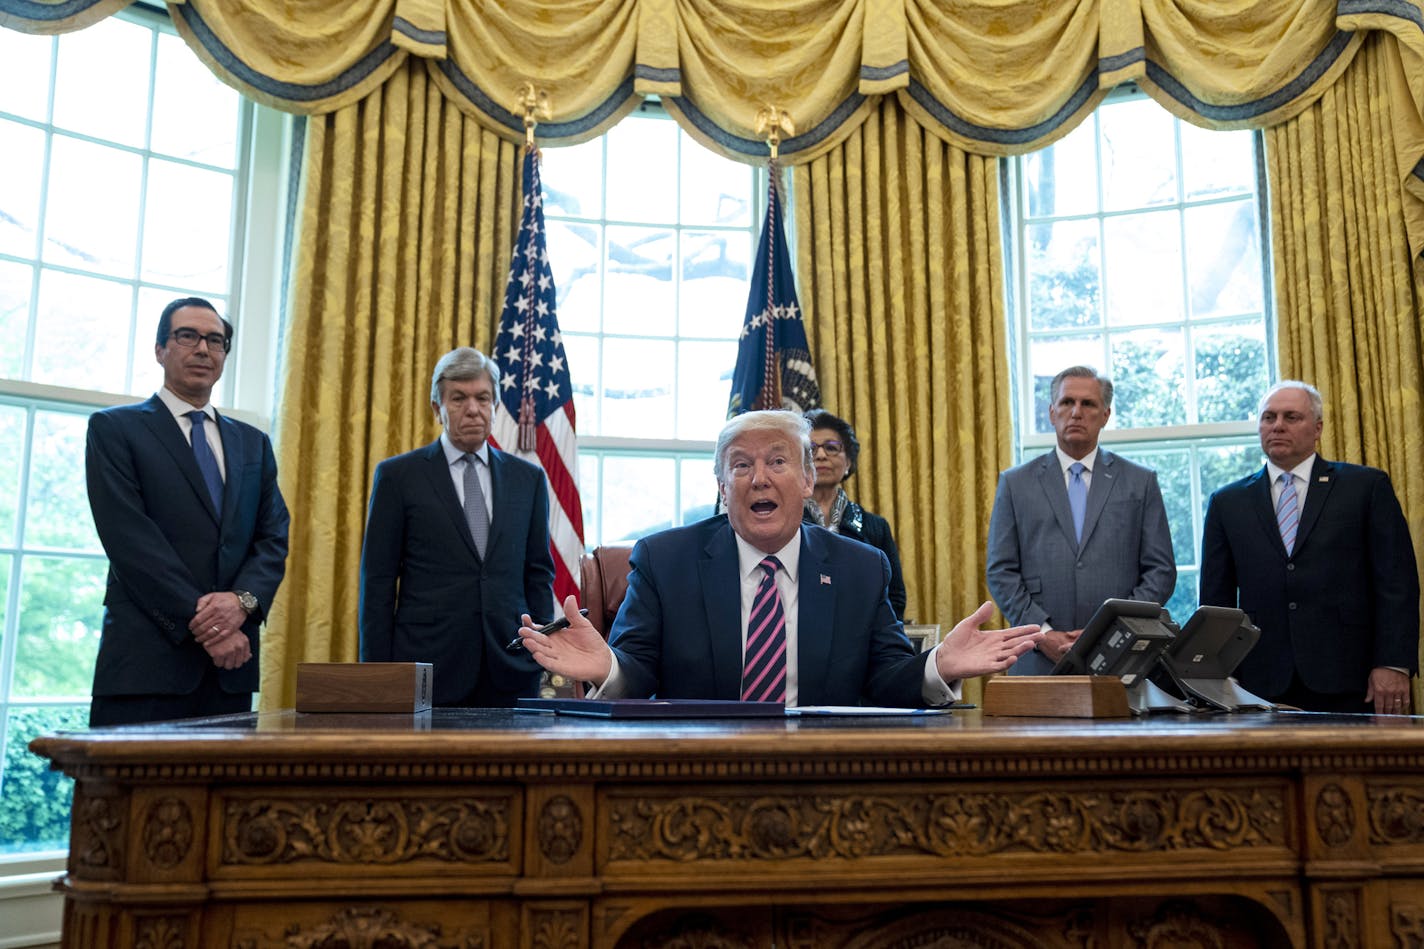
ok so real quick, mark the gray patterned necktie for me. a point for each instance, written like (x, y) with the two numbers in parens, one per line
(476, 514)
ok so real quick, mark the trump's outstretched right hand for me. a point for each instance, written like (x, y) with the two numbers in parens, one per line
(577, 652)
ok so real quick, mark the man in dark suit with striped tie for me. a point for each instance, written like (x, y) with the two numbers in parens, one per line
(457, 548)
(187, 507)
(755, 606)
(1318, 554)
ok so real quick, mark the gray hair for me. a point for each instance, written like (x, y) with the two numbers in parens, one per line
(1316, 405)
(789, 424)
(1081, 372)
(461, 364)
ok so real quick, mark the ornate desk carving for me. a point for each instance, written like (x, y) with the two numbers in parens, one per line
(490, 829)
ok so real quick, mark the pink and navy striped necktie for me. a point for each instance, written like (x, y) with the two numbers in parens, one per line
(764, 667)
(1288, 511)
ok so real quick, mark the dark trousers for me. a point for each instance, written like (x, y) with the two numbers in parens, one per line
(1298, 695)
(207, 699)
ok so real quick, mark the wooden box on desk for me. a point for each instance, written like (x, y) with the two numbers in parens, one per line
(1056, 696)
(363, 686)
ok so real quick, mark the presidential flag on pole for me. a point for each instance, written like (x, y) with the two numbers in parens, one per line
(538, 418)
(774, 368)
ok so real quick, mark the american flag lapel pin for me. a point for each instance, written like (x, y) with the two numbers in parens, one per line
(825, 580)
(1323, 479)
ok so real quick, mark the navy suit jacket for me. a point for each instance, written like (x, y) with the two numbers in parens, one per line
(678, 633)
(427, 596)
(1345, 601)
(168, 546)
(1037, 570)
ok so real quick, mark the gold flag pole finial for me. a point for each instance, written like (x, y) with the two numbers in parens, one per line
(535, 102)
(771, 123)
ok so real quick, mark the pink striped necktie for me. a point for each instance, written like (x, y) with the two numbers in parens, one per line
(1288, 511)
(764, 667)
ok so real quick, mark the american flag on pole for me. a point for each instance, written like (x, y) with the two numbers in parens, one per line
(774, 368)
(538, 418)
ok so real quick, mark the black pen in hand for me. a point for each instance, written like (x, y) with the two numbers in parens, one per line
(517, 643)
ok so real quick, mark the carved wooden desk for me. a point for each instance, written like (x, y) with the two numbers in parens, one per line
(491, 829)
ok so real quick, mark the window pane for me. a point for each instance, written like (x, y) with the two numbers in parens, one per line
(582, 354)
(1222, 465)
(187, 227)
(1231, 371)
(699, 489)
(1184, 597)
(637, 388)
(60, 614)
(21, 173)
(22, 59)
(642, 172)
(575, 254)
(1144, 268)
(590, 496)
(704, 383)
(12, 453)
(573, 180)
(91, 219)
(1073, 159)
(57, 510)
(1149, 378)
(637, 496)
(1063, 282)
(14, 317)
(640, 294)
(716, 272)
(101, 84)
(1139, 155)
(1224, 259)
(194, 114)
(715, 190)
(35, 801)
(1217, 163)
(81, 333)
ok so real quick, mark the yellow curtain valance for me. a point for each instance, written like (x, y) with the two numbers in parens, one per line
(991, 77)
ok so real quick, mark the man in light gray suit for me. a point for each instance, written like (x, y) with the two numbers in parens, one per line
(1075, 527)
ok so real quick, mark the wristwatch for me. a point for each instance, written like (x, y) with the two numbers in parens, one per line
(247, 601)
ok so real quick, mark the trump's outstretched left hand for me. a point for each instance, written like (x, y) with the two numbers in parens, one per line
(970, 651)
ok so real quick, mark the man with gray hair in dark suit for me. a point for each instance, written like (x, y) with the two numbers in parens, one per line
(1076, 526)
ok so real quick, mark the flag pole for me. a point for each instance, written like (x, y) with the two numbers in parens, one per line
(534, 100)
(771, 121)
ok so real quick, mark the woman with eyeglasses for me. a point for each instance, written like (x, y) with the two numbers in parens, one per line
(834, 450)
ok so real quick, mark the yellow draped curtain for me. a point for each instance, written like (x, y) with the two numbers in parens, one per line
(402, 255)
(901, 282)
(1350, 295)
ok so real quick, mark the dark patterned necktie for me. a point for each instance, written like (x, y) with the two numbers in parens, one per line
(207, 461)
(476, 514)
(764, 667)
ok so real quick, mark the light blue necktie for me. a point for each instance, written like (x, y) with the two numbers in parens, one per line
(476, 514)
(207, 461)
(1077, 498)
(1288, 511)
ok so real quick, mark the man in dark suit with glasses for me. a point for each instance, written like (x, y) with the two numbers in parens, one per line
(187, 507)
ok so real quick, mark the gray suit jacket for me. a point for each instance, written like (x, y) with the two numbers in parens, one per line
(1038, 573)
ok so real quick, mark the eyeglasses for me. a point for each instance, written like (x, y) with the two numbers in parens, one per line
(831, 448)
(188, 339)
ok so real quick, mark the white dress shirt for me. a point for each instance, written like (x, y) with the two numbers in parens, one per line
(456, 460)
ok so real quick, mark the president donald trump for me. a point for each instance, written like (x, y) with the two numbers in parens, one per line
(754, 605)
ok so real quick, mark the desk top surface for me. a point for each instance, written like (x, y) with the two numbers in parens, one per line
(492, 739)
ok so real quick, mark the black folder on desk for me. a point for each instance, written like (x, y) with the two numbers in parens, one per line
(655, 708)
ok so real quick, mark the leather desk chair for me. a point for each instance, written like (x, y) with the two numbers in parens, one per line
(603, 582)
